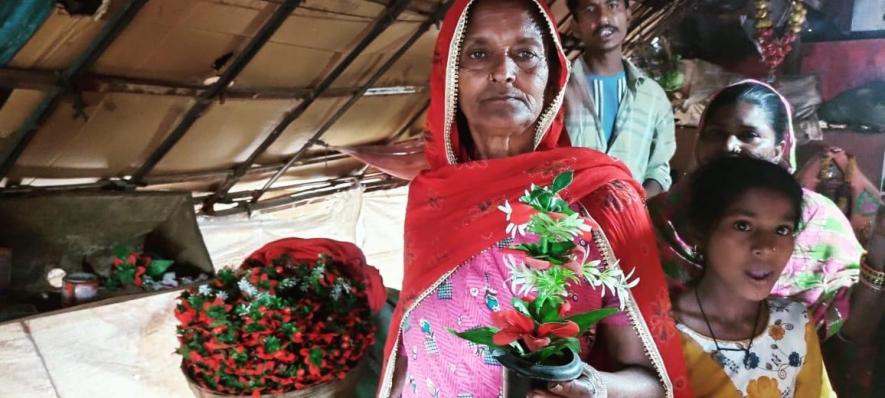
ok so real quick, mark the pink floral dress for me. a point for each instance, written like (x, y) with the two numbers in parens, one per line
(441, 364)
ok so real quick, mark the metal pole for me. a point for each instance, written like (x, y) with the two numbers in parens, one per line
(379, 26)
(17, 142)
(393, 58)
(207, 97)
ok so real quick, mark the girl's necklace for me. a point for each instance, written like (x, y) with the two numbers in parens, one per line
(716, 342)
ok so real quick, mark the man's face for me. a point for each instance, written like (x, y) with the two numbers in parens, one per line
(601, 24)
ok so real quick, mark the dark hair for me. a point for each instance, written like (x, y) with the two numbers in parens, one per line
(756, 94)
(572, 6)
(718, 184)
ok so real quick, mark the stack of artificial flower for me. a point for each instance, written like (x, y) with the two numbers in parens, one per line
(274, 328)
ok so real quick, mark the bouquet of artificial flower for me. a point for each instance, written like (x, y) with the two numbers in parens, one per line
(537, 329)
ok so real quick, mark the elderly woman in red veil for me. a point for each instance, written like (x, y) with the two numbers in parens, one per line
(498, 79)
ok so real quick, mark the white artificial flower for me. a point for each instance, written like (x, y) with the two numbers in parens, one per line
(222, 295)
(506, 209)
(169, 280)
(516, 229)
(512, 229)
(247, 289)
(522, 278)
(204, 290)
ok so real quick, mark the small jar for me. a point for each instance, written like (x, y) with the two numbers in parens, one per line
(79, 287)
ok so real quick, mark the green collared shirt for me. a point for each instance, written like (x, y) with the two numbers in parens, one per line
(644, 136)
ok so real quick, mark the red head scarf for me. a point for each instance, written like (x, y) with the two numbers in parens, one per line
(451, 214)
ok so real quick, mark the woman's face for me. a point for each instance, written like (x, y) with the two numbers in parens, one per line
(749, 247)
(503, 68)
(740, 128)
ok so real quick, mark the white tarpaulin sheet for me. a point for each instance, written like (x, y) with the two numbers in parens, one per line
(127, 349)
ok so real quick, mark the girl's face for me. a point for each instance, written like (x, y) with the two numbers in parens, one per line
(740, 128)
(750, 246)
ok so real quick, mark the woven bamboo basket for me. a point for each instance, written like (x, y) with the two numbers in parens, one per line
(345, 388)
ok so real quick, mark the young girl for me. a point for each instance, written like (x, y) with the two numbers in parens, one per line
(743, 216)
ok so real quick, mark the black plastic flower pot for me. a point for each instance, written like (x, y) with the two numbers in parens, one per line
(521, 376)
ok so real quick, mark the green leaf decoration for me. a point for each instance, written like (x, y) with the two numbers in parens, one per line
(122, 251)
(316, 356)
(587, 319)
(560, 249)
(545, 353)
(572, 343)
(480, 335)
(125, 274)
(563, 180)
(550, 310)
(288, 329)
(272, 344)
(157, 268)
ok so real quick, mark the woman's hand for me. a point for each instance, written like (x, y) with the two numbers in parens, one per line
(580, 388)
(586, 386)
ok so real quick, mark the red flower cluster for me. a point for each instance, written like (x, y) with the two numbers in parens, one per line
(273, 328)
(128, 270)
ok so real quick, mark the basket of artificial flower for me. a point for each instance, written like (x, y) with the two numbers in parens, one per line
(294, 320)
(537, 340)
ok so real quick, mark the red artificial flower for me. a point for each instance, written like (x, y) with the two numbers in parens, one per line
(561, 329)
(185, 315)
(139, 272)
(515, 325)
(521, 213)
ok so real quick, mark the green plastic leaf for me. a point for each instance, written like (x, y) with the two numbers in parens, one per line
(157, 268)
(563, 180)
(550, 310)
(272, 344)
(316, 356)
(545, 353)
(480, 335)
(560, 249)
(587, 319)
(573, 343)
(125, 275)
(121, 251)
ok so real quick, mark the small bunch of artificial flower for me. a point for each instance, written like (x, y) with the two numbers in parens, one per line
(537, 327)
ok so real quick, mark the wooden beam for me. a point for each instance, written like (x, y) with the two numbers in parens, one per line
(49, 80)
(207, 97)
(387, 18)
(16, 143)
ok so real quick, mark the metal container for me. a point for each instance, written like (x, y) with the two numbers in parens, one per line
(79, 287)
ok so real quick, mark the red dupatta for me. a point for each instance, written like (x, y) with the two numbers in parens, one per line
(452, 209)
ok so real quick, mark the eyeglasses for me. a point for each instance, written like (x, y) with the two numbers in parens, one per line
(482, 59)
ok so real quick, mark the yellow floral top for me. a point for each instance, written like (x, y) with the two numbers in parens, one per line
(784, 361)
